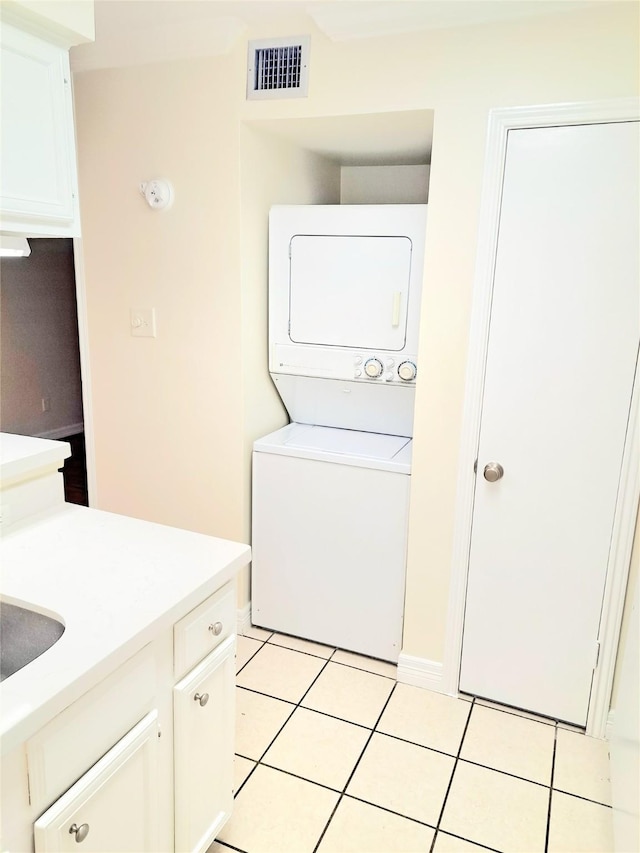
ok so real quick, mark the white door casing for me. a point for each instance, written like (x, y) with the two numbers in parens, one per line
(501, 122)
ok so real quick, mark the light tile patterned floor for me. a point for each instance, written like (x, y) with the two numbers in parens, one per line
(334, 756)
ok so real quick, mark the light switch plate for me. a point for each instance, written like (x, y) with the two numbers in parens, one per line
(143, 322)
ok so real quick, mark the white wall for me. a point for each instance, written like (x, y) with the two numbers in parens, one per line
(170, 414)
(39, 342)
(384, 184)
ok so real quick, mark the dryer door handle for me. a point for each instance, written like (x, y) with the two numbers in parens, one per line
(395, 317)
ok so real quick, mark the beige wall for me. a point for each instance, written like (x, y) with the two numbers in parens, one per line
(174, 417)
(167, 410)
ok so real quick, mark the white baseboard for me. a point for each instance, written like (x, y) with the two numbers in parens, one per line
(420, 673)
(62, 432)
(244, 618)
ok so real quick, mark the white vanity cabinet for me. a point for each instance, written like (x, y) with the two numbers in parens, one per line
(143, 761)
(113, 807)
(203, 730)
(203, 720)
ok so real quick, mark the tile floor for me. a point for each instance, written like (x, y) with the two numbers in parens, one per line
(334, 756)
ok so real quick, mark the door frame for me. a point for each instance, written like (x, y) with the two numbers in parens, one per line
(501, 121)
(85, 372)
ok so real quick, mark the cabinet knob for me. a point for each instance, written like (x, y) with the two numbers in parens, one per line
(80, 832)
(216, 628)
(202, 698)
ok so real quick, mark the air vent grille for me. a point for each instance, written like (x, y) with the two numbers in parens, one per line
(278, 69)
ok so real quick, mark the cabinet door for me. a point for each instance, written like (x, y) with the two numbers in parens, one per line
(38, 175)
(204, 704)
(113, 806)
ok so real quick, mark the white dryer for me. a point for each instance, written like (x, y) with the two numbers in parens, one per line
(345, 284)
(330, 536)
(331, 490)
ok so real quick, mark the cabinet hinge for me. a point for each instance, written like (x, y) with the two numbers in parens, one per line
(597, 661)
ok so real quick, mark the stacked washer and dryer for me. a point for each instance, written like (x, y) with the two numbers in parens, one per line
(331, 489)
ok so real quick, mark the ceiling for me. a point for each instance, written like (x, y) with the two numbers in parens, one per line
(139, 32)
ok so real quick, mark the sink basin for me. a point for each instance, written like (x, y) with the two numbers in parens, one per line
(24, 636)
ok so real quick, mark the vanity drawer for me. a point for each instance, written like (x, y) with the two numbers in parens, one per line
(61, 752)
(204, 628)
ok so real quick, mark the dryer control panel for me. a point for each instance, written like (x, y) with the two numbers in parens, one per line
(385, 369)
(332, 363)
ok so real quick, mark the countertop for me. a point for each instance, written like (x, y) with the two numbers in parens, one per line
(22, 456)
(115, 582)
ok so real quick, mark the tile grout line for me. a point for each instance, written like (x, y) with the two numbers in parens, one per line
(355, 767)
(553, 770)
(410, 742)
(263, 643)
(453, 772)
(229, 846)
(331, 657)
(469, 841)
(457, 758)
(295, 707)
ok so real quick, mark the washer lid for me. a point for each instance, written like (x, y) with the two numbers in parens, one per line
(346, 446)
(371, 445)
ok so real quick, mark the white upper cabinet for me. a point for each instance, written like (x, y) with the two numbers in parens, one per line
(38, 192)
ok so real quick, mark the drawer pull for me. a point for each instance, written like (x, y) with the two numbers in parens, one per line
(202, 698)
(80, 832)
(216, 628)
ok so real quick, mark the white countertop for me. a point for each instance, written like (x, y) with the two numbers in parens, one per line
(115, 582)
(22, 455)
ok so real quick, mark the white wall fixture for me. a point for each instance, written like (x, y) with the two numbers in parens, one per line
(158, 193)
(278, 68)
(143, 322)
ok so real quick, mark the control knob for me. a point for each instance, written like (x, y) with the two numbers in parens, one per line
(407, 371)
(373, 368)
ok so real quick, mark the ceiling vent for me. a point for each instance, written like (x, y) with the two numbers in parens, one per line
(278, 68)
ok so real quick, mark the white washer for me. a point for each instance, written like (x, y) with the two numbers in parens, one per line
(330, 536)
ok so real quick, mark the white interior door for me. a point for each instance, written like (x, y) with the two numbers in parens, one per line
(349, 291)
(561, 357)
